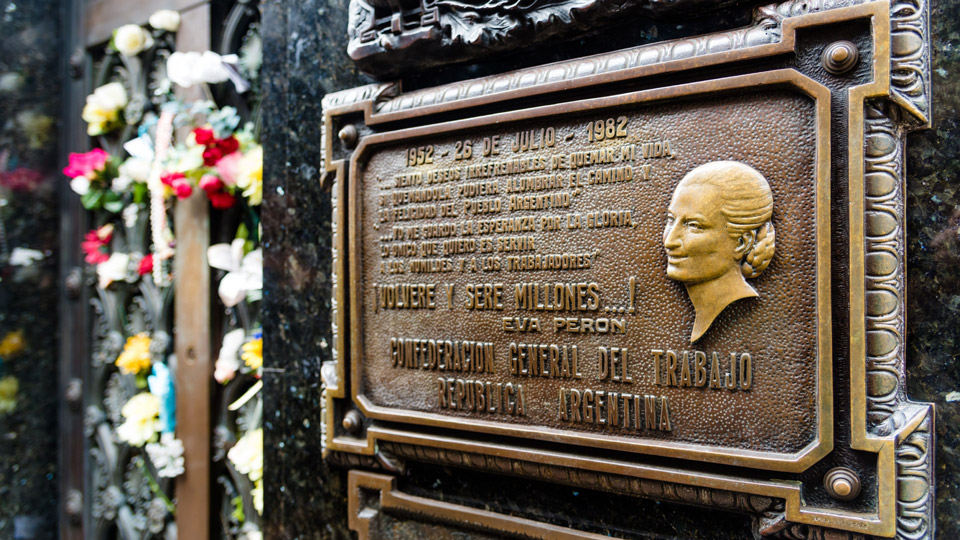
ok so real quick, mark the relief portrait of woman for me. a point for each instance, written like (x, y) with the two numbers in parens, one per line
(718, 234)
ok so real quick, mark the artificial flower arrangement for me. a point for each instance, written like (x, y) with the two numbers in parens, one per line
(134, 186)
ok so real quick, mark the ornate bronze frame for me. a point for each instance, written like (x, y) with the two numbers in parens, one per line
(881, 420)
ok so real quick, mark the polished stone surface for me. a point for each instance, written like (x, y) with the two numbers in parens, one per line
(933, 262)
(305, 58)
(29, 220)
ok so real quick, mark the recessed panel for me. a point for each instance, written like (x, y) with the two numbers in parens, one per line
(642, 277)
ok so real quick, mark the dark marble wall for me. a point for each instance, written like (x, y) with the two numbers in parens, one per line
(29, 225)
(305, 58)
(933, 262)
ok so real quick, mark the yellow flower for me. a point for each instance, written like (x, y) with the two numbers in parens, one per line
(257, 493)
(142, 423)
(98, 119)
(103, 107)
(250, 175)
(12, 344)
(136, 354)
(253, 353)
(9, 386)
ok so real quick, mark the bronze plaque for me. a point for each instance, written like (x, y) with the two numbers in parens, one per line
(513, 274)
(673, 271)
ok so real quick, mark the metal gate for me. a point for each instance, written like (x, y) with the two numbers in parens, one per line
(111, 489)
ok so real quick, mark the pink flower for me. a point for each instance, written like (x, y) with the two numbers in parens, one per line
(87, 164)
(183, 189)
(146, 265)
(169, 178)
(178, 183)
(96, 244)
(228, 167)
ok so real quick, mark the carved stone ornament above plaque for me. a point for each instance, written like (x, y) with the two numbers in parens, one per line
(674, 271)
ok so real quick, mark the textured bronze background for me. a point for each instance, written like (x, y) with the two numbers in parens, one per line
(773, 129)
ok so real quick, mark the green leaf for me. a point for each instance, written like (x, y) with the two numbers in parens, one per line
(112, 202)
(237, 513)
(92, 200)
(139, 192)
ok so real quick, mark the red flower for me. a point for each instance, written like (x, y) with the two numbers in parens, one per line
(228, 145)
(210, 183)
(217, 149)
(86, 164)
(21, 179)
(96, 244)
(221, 200)
(146, 265)
(211, 156)
(213, 186)
(204, 136)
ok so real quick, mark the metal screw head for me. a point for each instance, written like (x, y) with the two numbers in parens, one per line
(77, 62)
(839, 57)
(352, 422)
(73, 283)
(842, 484)
(348, 135)
(73, 505)
(74, 393)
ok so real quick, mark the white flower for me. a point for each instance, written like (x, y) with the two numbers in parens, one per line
(165, 19)
(190, 68)
(121, 183)
(109, 97)
(130, 39)
(25, 257)
(11, 82)
(140, 148)
(187, 160)
(247, 454)
(254, 535)
(228, 362)
(137, 169)
(244, 272)
(130, 214)
(113, 269)
(80, 185)
(167, 456)
(132, 170)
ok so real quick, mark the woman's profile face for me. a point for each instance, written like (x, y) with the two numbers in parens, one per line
(695, 239)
